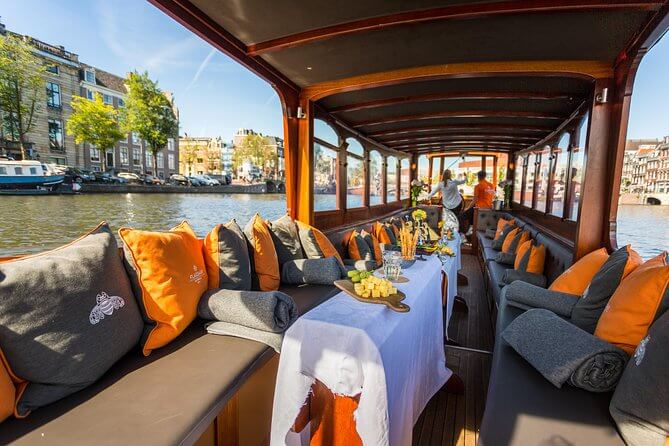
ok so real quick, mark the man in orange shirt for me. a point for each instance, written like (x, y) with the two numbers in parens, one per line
(484, 193)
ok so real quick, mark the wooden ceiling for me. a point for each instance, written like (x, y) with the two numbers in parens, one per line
(429, 75)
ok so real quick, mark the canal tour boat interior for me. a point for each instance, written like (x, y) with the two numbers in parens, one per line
(532, 328)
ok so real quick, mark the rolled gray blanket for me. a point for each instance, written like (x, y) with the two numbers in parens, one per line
(564, 353)
(511, 275)
(527, 296)
(273, 340)
(490, 233)
(505, 258)
(269, 311)
(312, 271)
(360, 265)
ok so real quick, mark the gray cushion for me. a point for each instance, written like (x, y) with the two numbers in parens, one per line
(483, 240)
(232, 257)
(311, 271)
(497, 244)
(589, 308)
(364, 250)
(489, 254)
(512, 275)
(640, 403)
(490, 233)
(286, 239)
(66, 316)
(505, 258)
(391, 234)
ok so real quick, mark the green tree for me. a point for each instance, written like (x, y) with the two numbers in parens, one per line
(254, 148)
(96, 123)
(148, 112)
(22, 88)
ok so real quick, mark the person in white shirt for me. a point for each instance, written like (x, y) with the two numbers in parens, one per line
(450, 195)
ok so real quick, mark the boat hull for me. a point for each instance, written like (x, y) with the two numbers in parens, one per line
(30, 182)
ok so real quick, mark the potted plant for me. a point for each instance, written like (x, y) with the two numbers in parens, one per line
(417, 186)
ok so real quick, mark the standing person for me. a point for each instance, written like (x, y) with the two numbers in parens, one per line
(484, 193)
(450, 196)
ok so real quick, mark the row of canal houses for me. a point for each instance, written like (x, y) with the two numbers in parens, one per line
(646, 170)
(65, 77)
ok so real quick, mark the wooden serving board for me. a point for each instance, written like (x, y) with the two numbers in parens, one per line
(394, 301)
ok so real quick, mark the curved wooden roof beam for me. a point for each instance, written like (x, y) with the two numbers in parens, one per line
(461, 114)
(482, 95)
(422, 130)
(450, 136)
(453, 12)
(463, 143)
(582, 69)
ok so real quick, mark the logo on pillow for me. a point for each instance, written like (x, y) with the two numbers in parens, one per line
(106, 305)
(640, 351)
(197, 275)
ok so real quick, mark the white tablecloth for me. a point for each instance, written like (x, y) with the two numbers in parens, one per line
(395, 361)
(451, 266)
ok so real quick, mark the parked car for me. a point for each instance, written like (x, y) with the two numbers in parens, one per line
(102, 177)
(206, 180)
(131, 177)
(77, 175)
(226, 178)
(195, 182)
(179, 180)
(148, 179)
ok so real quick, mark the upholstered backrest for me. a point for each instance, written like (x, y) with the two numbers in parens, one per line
(558, 256)
(487, 218)
(339, 237)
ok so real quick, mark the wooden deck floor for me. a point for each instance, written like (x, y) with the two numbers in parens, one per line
(452, 419)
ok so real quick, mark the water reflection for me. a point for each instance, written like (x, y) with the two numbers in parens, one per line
(33, 224)
(645, 227)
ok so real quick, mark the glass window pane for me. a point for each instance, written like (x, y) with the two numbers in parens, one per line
(355, 182)
(529, 182)
(576, 174)
(325, 178)
(422, 173)
(467, 168)
(518, 178)
(323, 131)
(355, 147)
(405, 176)
(558, 188)
(542, 180)
(392, 179)
(375, 180)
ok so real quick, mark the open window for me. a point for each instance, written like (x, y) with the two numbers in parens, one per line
(375, 178)
(391, 179)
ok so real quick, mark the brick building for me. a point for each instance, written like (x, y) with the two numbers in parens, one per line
(65, 77)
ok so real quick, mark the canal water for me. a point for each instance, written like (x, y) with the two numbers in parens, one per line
(34, 224)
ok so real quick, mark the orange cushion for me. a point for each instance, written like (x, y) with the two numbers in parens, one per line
(577, 277)
(353, 248)
(7, 393)
(265, 260)
(520, 253)
(378, 255)
(635, 304)
(380, 232)
(501, 224)
(510, 244)
(172, 277)
(534, 255)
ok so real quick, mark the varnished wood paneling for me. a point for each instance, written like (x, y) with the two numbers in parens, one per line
(461, 114)
(464, 11)
(421, 130)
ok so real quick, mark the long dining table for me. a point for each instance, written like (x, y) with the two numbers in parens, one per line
(352, 372)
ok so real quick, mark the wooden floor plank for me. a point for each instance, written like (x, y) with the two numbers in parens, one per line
(450, 419)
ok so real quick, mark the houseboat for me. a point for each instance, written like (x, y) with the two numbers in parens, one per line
(27, 175)
(564, 343)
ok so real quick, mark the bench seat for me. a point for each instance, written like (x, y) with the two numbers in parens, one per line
(170, 397)
(523, 408)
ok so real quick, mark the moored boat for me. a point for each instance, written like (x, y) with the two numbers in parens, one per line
(27, 175)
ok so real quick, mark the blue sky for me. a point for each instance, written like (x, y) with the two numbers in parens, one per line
(215, 95)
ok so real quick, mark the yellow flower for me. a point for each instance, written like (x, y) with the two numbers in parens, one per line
(440, 224)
